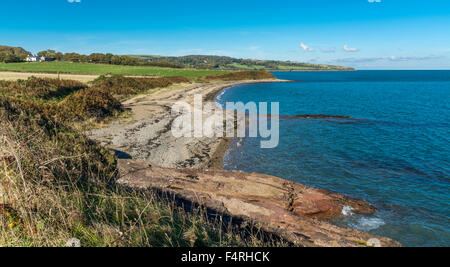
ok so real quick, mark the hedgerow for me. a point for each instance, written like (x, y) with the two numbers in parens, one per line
(242, 75)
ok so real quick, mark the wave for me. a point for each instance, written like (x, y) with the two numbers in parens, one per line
(368, 223)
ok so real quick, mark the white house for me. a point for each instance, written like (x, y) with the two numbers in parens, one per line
(31, 58)
(46, 59)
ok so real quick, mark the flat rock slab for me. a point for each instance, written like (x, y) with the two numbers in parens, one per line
(288, 209)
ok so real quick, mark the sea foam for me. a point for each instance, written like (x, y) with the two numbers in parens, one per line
(347, 211)
(368, 224)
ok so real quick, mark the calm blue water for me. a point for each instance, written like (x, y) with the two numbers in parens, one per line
(395, 154)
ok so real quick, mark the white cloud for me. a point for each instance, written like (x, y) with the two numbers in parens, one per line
(374, 1)
(350, 49)
(306, 48)
(74, 1)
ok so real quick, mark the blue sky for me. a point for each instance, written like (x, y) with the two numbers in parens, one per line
(391, 34)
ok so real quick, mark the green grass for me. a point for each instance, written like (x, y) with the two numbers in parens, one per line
(100, 69)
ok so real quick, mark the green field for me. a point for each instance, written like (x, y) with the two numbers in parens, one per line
(99, 69)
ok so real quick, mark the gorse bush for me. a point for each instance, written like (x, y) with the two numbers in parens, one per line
(15, 105)
(121, 85)
(61, 100)
(43, 88)
(40, 138)
(66, 100)
(243, 75)
(90, 103)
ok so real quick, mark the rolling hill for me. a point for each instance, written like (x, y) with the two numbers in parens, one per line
(229, 63)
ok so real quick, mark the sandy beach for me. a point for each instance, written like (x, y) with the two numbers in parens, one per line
(146, 134)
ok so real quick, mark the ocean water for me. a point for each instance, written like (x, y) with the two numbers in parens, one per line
(393, 153)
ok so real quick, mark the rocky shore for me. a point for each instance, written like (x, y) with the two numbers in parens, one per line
(189, 171)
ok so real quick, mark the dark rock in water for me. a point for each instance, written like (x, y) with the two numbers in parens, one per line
(319, 116)
(279, 207)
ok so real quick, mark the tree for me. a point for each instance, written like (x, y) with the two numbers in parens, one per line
(11, 58)
(72, 57)
(59, 56)
(96, 58)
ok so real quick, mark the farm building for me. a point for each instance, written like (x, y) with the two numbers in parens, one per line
(31, 58)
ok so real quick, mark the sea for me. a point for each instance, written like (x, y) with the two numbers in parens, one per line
(392, 151)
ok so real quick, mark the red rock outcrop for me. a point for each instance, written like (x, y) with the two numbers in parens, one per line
(288, 209)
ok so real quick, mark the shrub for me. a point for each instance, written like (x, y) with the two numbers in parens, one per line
(44, 88)
(242, 75)
(80, 106)
(90, 103)
(38, 138)
(121, 85)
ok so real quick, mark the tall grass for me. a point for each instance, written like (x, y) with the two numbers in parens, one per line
(56, 184)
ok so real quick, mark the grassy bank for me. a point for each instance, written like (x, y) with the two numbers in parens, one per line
(55, 184)
(101, 69)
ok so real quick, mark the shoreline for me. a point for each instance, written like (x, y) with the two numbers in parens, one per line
(293, 70)
(216, 160)
(190, 170)
(146, 135)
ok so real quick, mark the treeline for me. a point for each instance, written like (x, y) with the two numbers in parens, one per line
(10, 54)
(108, 58)
(222, 62)
(17, 54)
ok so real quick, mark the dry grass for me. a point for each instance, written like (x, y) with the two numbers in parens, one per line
(55, 184)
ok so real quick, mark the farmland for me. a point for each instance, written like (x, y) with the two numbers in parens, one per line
(101, 69)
